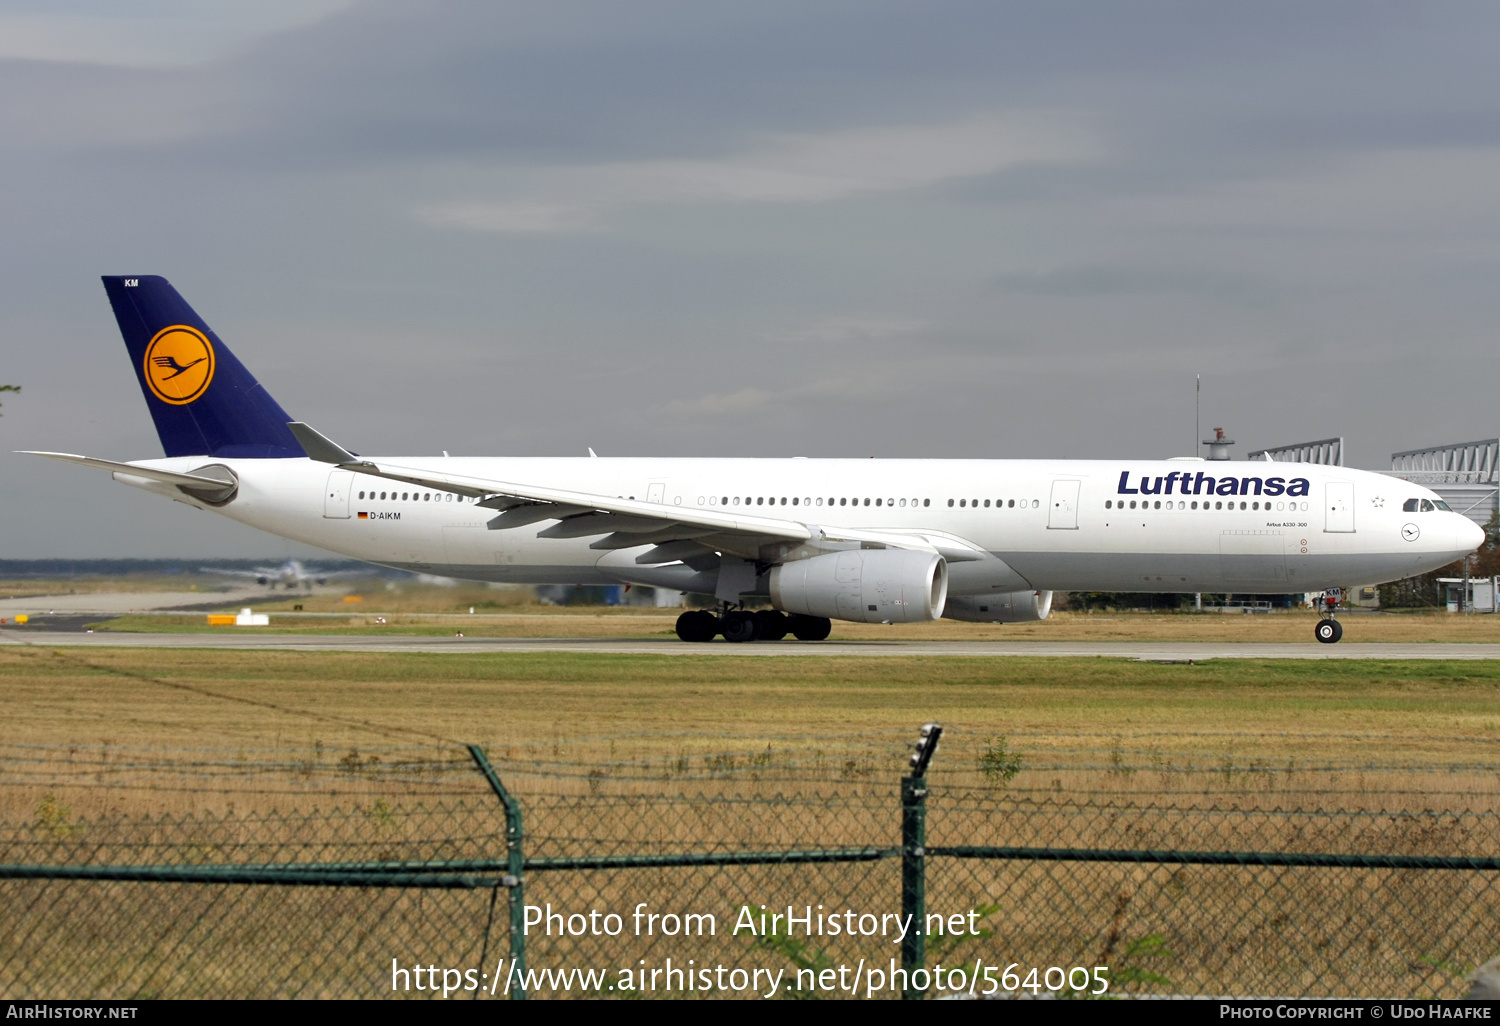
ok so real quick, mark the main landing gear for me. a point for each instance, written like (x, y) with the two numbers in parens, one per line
(740, 625)
(1328, 629)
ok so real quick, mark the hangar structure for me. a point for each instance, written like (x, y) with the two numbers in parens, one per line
(1463, 473)
(1328, 452)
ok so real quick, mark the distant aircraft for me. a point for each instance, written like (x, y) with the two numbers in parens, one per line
(291, 575)
(875, 541)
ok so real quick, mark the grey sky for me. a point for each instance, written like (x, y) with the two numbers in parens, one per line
(891, 229)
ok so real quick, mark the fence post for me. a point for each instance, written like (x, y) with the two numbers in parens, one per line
(913, 880)
(914, 859)
(513, 880)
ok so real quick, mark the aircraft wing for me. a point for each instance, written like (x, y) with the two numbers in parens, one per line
(622, 523)
(675, 532)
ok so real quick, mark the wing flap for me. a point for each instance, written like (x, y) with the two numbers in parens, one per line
(672, 551)
(677, 532)
(587, 524)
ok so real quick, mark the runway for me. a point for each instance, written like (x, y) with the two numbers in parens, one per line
(1141, 651)
(118, 603)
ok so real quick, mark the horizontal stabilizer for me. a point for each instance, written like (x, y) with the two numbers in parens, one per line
(212, 488)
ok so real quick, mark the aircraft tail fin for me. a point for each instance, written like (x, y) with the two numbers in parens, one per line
(203, 400)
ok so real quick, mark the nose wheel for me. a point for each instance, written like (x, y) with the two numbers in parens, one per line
(1329, 630)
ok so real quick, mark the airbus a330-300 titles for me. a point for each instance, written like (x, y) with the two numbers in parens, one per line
(873, 541)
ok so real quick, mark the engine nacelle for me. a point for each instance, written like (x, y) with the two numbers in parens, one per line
(1004, 607)
(864, 585)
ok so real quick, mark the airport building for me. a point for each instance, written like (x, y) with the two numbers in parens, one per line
(1463, 473)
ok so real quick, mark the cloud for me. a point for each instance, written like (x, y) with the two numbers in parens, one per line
(1123, 280)
(521, 217)
(786, 168)
(744, 401)
(850, 329)
(151, 33)
(811, 168)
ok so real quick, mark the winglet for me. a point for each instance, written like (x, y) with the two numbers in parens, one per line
(318, 447)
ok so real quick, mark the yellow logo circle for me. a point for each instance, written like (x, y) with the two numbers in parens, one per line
(179, 364)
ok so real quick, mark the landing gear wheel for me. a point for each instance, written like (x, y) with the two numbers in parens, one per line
(773, 624)
(697, 625)
(810, 628)
(1329, 631)
(739, 626)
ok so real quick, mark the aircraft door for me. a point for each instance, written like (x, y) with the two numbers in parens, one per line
(336, 495)
(1063, 514)
(1338, 501)
(657, 492)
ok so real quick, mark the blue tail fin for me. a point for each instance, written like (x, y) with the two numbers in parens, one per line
(204, 401)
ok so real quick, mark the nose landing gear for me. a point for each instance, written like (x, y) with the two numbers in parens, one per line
(1329, 630)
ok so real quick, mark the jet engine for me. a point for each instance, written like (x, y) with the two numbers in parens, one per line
(864, 585)
(1003, 607)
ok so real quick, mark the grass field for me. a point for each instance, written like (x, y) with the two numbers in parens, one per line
(1373, 726)
(201, 756)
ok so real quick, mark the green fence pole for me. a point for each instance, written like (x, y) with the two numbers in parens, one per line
(913, 880)
(914, 859)
(514, 881)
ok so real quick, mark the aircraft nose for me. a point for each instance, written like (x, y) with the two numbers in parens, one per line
(1470, 535)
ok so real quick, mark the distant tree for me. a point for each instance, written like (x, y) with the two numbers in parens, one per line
(9, 388)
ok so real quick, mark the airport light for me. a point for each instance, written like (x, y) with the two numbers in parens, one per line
(926, 747)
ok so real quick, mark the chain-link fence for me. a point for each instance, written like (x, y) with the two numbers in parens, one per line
(786, 871)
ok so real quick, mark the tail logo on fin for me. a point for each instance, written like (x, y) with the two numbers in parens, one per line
(179, 364)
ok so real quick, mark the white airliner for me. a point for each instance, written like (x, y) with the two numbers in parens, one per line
(290, 575)
(874, 541)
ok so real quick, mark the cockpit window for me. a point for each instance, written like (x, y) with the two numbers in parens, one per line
(1427, 506)
(1443, 506)
(1409, 506)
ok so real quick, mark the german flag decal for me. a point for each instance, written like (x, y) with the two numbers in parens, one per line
(364, 516)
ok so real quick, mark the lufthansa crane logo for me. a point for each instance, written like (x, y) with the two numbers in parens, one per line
(179, 364)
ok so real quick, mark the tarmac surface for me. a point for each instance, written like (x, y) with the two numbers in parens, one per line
(1141, 651)
(120, 602)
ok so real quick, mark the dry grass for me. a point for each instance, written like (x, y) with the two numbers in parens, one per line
(1081, 725)
(648, 753)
